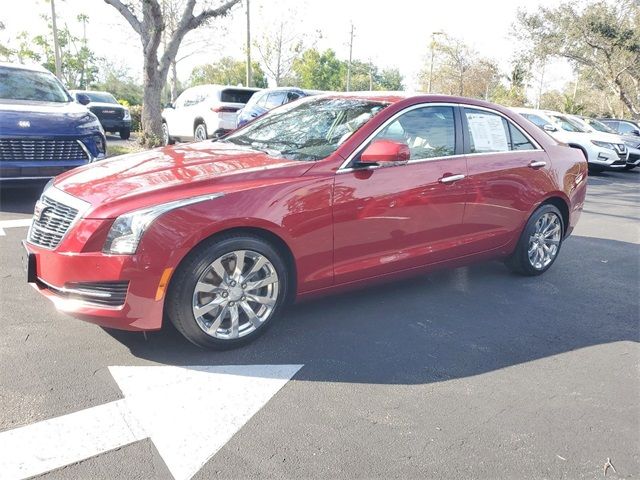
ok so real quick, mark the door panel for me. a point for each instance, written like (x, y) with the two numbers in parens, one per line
(390, 219)
(507, 173)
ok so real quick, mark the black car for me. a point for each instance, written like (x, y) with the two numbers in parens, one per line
(114, 117)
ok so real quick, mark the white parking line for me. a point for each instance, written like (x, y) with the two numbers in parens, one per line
(18, 222)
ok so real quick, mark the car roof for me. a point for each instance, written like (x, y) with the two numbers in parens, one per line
(31, 67)
(213, 86)
(90, 91)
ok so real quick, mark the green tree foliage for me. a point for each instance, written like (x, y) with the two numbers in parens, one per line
(227, 71)
(513, 94)
(601, 36)
(319, 71)
(366, 76)
(119, 82)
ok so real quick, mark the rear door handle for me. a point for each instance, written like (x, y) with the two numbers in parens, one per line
(537, 164)
(451, 178)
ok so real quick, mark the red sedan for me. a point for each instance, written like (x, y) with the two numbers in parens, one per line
(319, 195)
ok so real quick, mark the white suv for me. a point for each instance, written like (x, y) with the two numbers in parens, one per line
(602, 150)
(203, 112)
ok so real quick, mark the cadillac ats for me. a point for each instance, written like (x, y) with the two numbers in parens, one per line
(320, 195)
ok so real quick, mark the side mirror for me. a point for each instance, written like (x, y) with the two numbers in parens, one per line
(635, 132)
(83, 99)
(549, 128)
(385, 151)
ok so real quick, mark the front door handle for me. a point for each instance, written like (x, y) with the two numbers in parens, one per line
(451, 178)
(537, 164)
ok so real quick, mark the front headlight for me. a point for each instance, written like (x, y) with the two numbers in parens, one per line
(127, 115)
(603, 144)
(126, 232)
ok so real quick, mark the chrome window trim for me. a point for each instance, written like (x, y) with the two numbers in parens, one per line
(62, 197)
(344, 169)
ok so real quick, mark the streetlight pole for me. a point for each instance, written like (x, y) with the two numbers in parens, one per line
(56, 46)
(350, 57)
(249, 79)
(433, 45)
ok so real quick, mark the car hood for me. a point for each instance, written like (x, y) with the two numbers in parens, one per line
(43, 118)
(148, 178)
(568, 137)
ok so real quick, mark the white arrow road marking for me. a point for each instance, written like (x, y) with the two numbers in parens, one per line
(188, 412)
(20, 222)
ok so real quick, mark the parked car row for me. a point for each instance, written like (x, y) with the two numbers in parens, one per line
(212, 111)
(601, 146)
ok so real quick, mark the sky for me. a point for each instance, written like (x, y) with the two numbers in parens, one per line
(392, 34)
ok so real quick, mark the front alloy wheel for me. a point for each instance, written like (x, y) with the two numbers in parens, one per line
(227, 291)
(235, 295)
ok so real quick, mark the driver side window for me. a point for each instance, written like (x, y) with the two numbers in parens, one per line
(429, 132)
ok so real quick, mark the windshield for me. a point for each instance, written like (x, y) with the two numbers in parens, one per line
(310, 130)
(599, 126)
(567, 124)
(100, 97)
(28, 85)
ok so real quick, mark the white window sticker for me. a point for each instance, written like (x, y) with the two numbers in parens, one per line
(488, 132)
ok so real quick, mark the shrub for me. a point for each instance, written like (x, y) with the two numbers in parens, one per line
(136, 115)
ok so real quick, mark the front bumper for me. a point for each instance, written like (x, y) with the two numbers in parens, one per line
(76, 282)
(115, 125)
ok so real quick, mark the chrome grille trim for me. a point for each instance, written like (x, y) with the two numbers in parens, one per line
(61, 212)
(105, 294)
(42, 149)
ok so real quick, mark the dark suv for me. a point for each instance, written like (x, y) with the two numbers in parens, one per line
(43, 132)
(114, 117)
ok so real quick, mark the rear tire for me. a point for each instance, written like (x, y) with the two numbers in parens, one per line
(217, 304)
(125, 133)
(539, 243)
(200, 132)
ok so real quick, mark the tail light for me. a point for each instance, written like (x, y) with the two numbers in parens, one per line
(221, 109)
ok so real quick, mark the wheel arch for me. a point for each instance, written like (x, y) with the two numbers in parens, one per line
(581, 148)
(259, 232)
(561, 204)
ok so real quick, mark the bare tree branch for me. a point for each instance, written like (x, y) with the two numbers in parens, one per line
(127, 13)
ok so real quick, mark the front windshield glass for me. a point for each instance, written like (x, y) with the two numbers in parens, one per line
(599, 126)
(29, 85)
(309, 130)
(567, 124)
(100, 97)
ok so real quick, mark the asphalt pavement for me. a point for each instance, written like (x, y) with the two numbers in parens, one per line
(465, 373)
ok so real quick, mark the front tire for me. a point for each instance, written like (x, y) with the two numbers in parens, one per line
(539, 243)
(125, 133)
(629, 166)
(166, 138)
(228, 291)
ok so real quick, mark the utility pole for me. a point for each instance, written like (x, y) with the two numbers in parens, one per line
(433, 47)
(56, 46)
(350, 58)
(541, 86)
(249, 79)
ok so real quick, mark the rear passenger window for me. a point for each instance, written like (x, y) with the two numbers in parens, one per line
(490, 133)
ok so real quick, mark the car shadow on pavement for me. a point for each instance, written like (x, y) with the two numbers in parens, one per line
(445, 325)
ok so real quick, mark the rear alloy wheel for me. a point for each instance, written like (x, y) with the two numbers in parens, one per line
(226, 293)
(539, 242)
(200, 133)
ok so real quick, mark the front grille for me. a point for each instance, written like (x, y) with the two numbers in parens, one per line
(108, 294)
(51, 221)
(111, 113)
(41, 149)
